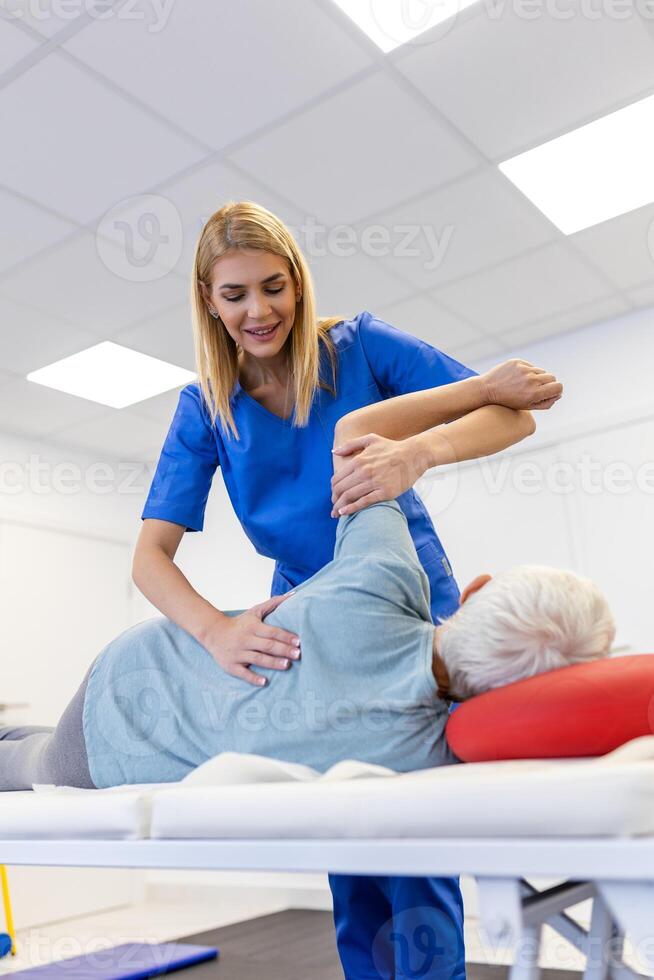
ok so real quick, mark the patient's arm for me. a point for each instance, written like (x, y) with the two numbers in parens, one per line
(407, 415)
(390, 444)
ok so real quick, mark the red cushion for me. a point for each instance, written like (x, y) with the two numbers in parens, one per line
(583, 710)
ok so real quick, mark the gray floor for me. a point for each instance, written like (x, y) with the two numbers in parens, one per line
(295, 945)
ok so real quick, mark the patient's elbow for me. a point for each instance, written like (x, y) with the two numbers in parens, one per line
(529, 423)
(346, 428)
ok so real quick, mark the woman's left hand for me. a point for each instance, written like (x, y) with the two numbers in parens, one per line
(380, 469)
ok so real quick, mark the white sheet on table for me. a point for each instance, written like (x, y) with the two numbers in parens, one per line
(609, 796)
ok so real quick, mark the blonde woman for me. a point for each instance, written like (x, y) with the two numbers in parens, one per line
(273, 380)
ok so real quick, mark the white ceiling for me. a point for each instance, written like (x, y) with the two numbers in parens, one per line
(289, 104)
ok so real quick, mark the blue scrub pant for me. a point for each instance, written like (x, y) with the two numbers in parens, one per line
(397, 927)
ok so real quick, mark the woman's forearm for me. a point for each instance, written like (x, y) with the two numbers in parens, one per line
(483, 432)
(166, 587)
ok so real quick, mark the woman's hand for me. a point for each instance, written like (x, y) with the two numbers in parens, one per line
(380, 469)
(238, 642)
(518, 384)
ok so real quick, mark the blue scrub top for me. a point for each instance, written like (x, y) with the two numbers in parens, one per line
(279, 477)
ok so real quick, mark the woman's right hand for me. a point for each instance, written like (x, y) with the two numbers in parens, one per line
(519, 384)
(238, 642)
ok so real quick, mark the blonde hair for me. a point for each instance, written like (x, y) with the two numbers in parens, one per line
(525, 621)
(244, 224)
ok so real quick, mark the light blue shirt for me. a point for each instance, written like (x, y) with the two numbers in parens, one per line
(157, 704)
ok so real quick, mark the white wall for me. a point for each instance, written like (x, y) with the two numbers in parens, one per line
(67, 531)
(220, 562)
(65, 591)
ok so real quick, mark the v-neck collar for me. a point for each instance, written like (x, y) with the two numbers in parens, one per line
(261, 408)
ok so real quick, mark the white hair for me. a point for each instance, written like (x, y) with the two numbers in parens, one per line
(523, 622)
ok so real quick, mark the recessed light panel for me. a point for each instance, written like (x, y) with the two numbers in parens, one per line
(111, 375)
(593, 173)
(390, 23)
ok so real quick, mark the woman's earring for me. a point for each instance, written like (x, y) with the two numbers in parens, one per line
(213, 312)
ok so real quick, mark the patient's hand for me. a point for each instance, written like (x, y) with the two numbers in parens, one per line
(519, 384)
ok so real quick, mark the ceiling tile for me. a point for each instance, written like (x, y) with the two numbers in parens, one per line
(206, 189)
(47, 16)
(116, 435)
(99, 148)
(30, 339)
(167, 335)
(643, 295)
(520, 74)
(31, 409)
(344, 276)
(243, 65)
(474, 222)
(357, 152)
(32, 229)
(14, 44)
(75, 285)
(427, 320)
(159, 409)
(563, 322)
(623, 248)
(344, 284)
(549, 280)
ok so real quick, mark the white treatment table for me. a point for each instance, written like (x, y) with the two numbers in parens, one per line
(588, 822)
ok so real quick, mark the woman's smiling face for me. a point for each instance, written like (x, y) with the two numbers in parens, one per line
(253, 291)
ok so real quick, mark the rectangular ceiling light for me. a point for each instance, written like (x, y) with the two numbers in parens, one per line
(111, 375)
(593, 173)
(390, 23)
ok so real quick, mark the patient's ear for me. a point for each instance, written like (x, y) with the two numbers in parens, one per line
(476, 584)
